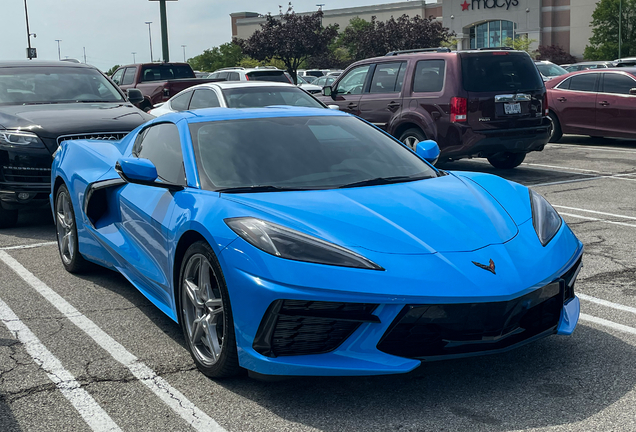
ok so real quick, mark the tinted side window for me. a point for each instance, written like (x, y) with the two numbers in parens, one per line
(584, 82)
(385, 77)
(117, 76)
(233, 76)
(353, 82)
(617, 83)
(429, 76)
(204, 99)
(161, 144)
(129, 76)
(180, 103)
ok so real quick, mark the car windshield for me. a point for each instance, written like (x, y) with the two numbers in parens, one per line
(58, 84)
(316, 152)
(258, 97)
(499, 71)
(551, 70)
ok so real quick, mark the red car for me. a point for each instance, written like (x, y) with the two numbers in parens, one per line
(595, 102)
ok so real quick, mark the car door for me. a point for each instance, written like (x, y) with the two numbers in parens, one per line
(146, 211)
(348, 90)
(615, 107)
(383, 100)
(574, 101)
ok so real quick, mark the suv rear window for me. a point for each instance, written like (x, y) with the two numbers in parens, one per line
(499, 71)
(166, 72)
(275, 76)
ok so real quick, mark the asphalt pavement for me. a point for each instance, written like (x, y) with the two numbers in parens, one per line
(90, 353)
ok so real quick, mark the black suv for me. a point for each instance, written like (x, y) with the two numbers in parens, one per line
(42, 104)
(479, 103)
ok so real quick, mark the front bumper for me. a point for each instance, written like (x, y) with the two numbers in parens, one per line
(255, 287)
(25, 178)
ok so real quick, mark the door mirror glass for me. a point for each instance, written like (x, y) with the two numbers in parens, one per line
(136, 170)
(135, 96)
(326, 91)
(428, 150)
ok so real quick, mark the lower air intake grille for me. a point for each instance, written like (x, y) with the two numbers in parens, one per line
(18, 174)
(451, 329)
(295, 327)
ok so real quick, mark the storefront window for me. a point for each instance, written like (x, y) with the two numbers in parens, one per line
(491, 34)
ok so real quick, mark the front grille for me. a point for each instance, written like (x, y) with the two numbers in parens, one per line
(451, 329)
(295, 327)
(17, 174)
(110, 136)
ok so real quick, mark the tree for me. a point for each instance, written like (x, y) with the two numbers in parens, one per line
(366, 39)
(226, 55)
(290, 38)
(522, 43)
(604, 41)
(112, 70)
(555, 54)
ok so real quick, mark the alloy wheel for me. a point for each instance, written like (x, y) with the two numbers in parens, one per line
(65, 227)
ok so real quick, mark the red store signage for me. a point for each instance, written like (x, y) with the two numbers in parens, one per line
(488, 4)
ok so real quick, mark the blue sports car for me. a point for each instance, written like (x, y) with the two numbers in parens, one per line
(301, 241)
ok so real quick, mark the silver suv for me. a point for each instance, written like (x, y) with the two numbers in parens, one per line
(251, 74)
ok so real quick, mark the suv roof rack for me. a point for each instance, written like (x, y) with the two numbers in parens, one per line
(505, 48)
(230, 68)
(420, 50)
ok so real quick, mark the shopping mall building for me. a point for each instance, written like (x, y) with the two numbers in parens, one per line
(477, 23)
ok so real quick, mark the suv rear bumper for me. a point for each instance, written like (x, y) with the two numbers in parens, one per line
(485, 143)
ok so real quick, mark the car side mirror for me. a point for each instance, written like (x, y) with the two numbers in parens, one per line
(327, 91)
(135, 96)
(428, 150)
(333, 107)
(632, 91)
(136, 170)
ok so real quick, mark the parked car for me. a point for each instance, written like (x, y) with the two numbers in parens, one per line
(625, 62)
(158, 82)
(310, 72)
(252, 74)
(481, 103)
(307, 86)
(595, 102)
(549, 70)
(233, 94)
(41, 105)
(302, 241)
(324, 80)
(588, 65)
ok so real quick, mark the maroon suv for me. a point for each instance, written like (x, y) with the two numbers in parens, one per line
(481, 103)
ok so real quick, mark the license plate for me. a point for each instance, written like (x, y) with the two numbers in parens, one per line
(512, 108)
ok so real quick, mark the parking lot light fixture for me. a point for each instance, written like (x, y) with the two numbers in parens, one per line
(184, 56)
(150, 37)
(59, 57)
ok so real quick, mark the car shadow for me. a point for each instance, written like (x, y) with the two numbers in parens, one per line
(33, 224)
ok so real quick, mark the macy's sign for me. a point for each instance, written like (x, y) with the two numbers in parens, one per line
(488, 4)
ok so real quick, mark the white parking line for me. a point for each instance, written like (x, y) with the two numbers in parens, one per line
(567, 181)
(28, 246)
(607, 323)
(569, 168)
(599, 220)
(595, 212)
(606, 303)
(606, 149)
(160, 387)
(93, 414)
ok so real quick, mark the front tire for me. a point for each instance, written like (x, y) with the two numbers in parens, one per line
(66, 231)
(506, 160)
(205, 313)
(411, 137)
(8, 218)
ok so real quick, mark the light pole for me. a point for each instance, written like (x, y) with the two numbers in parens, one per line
(620, 23)
(184, 47)
(150, 37)
(133, 53)
(84, 55)
(30, 53)
(59, 57)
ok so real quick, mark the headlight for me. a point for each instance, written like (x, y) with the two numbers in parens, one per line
(287, 243)
(545, 218)
(20, 138)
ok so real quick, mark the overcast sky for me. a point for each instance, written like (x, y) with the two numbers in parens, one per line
(112, 29)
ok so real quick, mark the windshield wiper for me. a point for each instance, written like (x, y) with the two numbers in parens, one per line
(257, 188)
(383, 180)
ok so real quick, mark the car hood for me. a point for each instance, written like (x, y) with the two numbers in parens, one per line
(444, 214)
(53, 120)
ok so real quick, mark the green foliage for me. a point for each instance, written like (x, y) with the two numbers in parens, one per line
(604, 41)
(555, 54)
(112, 70)
(226, 55)
(290, 38)
(522, 43)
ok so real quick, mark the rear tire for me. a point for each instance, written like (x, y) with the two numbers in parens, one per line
(8, 218)
(556, 128)
(506, 160)
(66, 232)
(411, 137)
(205, 313)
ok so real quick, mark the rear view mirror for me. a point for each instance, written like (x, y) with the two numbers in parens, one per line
(428, 150)
(326, 91)
(135, 96)
(632, 91)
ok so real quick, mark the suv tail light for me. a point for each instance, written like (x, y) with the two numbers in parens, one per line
(458, 109)
(247, 77)
(546, 110)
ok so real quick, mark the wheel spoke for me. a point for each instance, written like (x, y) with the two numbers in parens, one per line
(193, 293)
(212, 340)
(197, 329)
(61, 220)
(65, 244)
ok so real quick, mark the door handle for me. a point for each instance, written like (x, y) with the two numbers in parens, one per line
(352, 106)
(393, 105)
(603, 103)
(561, 99)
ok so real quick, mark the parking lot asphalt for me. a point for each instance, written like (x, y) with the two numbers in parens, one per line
(119, 364)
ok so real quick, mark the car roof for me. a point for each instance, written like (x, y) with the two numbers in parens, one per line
(218, 114)
(44, 63)
(242, 84)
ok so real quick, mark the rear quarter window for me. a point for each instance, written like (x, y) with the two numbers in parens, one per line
(499, 71)
(429, 76)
